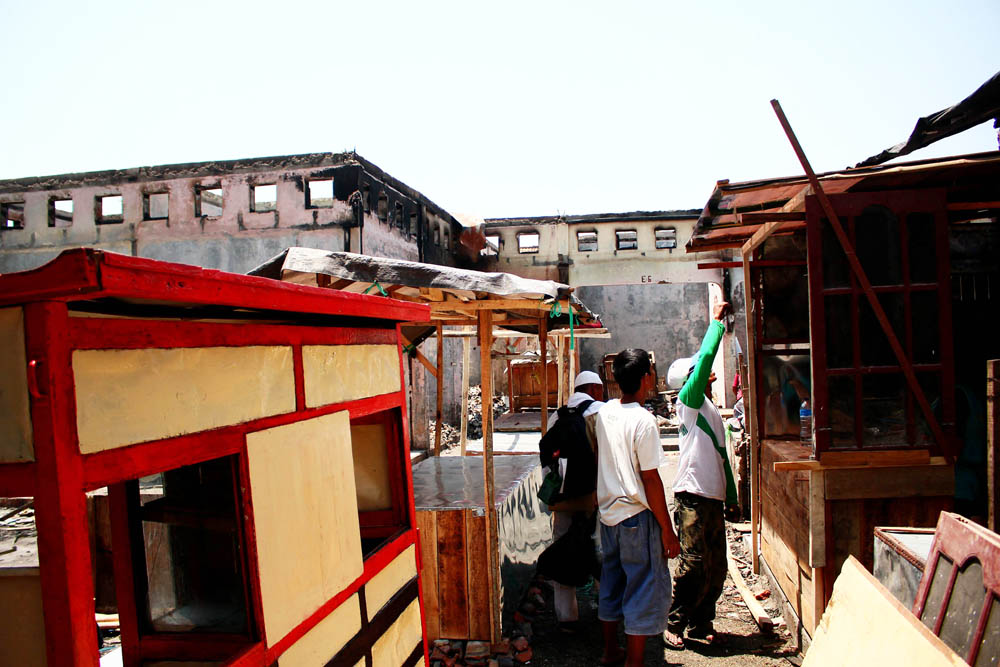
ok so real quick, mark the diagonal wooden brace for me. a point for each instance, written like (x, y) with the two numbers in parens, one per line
(947, 446)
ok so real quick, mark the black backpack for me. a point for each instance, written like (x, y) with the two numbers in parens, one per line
(567, 439)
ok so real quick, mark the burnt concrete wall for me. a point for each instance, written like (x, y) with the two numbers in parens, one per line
(669, 320)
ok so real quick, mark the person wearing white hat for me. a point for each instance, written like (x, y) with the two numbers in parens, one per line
(588, 394)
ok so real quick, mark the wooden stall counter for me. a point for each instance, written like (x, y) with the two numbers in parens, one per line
(448, 496)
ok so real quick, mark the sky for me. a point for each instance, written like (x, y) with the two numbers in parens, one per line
(491, 109)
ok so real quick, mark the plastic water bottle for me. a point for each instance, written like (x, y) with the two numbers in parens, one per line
(805, 424)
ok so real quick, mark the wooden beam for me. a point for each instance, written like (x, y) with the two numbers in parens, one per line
(924, 481)
(861, 459)
(560, 367)
(793, 205)
(422, 359)
(750, 416)
(973, 205)
(993, 438)
(720, 265)
(440, 391)
(760, 616)
(500, 304)
(432, 293)
(862, 278)
(489, 499)
(466, 348)
(761, 217)
(543, 342)
(817, 519)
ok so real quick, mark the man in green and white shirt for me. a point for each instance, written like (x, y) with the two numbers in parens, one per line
(704, 490)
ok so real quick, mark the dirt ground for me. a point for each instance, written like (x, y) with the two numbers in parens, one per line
(739, 641)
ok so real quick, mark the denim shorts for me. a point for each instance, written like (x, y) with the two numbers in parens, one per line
(635, 579)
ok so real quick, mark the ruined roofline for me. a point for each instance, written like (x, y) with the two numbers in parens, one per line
(631, 216)
(172, 171)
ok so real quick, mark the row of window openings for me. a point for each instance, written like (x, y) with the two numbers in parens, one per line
(207, 202)
(382, 212)
(625, 239)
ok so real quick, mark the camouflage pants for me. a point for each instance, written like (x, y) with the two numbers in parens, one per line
(701, 570)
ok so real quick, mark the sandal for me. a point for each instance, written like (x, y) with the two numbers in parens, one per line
(672, 640)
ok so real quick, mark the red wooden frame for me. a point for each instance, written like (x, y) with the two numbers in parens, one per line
(849, 207)
(962, 541)
(60, 475)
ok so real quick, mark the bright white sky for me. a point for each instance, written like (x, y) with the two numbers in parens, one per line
(494, 109)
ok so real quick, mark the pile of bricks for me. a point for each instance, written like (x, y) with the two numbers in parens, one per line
(454, 653)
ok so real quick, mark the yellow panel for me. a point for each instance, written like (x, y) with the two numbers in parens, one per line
(305, 517)
(336, 373)
(400, 639)
(22, 640)
(865, 625)
(385, 584)
(15, 418)
(371, 467)
(329, 636)
(129, 396)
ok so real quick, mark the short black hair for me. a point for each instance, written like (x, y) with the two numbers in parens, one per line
(629, 367)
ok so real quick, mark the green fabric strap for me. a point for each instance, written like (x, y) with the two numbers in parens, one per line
(731, 497)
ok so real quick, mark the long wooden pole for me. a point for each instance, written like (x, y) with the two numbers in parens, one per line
(440, 390)
(750, 413)
(466, 348)
(492, 548)
(561, 368)
(543, 349)
(862, 278)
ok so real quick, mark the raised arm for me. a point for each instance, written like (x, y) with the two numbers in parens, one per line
(692, 394)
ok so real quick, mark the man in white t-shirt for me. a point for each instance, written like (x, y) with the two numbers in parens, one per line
(637, 536)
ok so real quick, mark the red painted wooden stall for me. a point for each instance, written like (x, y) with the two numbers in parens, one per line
(251, 434)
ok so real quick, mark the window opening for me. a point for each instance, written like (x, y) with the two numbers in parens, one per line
(155, 205)
(320, 193)
(264, 198)
(187, 544)
(666, 238)
(379, 478)
(586, 241)
(60, 212)
(12, 215)
(437, 236)
(626, 239)
(414, 222)
(527, 243)
(208, 201)
(383, 207)
(399, 221)
(492, 246)
(109, 209)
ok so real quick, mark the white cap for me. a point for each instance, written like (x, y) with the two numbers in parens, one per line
(587, 377)
(678, 372)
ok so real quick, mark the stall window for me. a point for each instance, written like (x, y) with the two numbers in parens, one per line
(188, 555)
(379, 478)
(586, 241)
(862, 396)
(626, 239)
(527, 243)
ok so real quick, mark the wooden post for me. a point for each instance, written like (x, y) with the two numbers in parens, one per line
(750, 417)
(67, 583)
(466, 349)
(560, 368)
(543, 352)
(993, 440)
(492, 548)
(440, 390)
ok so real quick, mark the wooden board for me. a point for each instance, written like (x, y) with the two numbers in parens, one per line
(427, 529)
(865, 625)
(15, 419)
(453, 585)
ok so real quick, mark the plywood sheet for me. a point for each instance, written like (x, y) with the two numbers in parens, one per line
(371, 467)
(864, 625)
(15, 418)
(305, 517)
(129, 396)
(337, 373)
(398, 642)
(330, 635)
(386, 583)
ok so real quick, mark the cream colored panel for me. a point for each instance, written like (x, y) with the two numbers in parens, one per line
(385, 584)
(15, 416)
(326, 638)
(337, 373)
(305, 517)
(371, 467)
(129, 396)
(398, 642)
